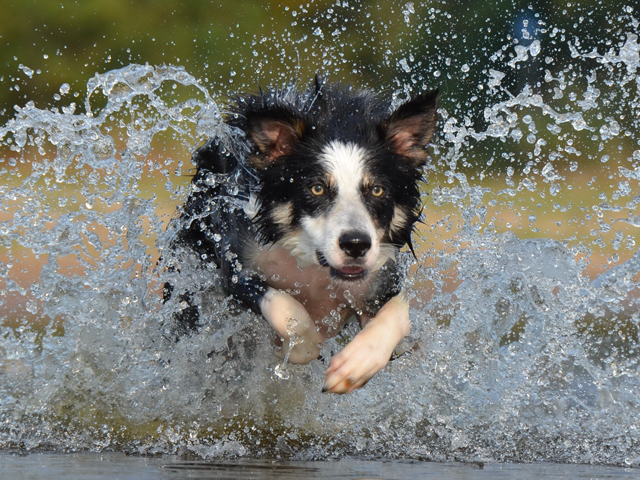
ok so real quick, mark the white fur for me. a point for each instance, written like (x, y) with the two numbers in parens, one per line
(346, 166)
(289, 318)
(370, 350)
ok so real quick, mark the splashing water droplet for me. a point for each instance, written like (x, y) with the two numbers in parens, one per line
(280, 370)
(534, 48)
(404, 65)
(407, 11)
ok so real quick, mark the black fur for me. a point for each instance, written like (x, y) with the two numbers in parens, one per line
(285, 130)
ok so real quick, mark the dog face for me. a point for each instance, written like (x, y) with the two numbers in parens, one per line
(338, 174)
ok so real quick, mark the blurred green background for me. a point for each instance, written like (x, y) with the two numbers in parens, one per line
(234, 45)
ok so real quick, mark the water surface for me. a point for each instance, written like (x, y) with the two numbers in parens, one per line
(116, 466)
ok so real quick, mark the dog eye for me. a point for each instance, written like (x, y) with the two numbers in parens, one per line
(317, 189)
(377, 191)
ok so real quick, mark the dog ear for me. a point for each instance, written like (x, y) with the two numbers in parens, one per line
(409, 129)
(274, 135)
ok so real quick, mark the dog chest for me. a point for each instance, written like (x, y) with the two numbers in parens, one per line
(311, 285)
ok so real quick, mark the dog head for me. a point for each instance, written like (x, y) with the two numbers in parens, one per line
(338, 173)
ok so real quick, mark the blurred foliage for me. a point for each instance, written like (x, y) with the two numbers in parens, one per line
(237, 44)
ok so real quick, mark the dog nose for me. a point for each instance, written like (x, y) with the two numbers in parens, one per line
(355, 244)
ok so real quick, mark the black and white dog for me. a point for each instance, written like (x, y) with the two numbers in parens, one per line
(305, 224)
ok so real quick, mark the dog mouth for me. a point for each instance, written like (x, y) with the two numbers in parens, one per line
(348, 272)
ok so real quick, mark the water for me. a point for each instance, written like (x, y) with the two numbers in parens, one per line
(524, 342)
(117, 466)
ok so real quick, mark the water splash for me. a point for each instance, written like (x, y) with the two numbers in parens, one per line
(525, 312)
(294, 339)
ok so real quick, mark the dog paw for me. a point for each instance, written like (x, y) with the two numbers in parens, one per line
(291, 321)
(370, 350)
(357, 363)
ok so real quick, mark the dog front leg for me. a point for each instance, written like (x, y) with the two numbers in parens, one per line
(292, 323)
(370, 350)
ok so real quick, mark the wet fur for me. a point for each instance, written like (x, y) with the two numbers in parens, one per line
(309, 212)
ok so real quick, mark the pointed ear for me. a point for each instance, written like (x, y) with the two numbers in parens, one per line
(409, 129)
(274, 133)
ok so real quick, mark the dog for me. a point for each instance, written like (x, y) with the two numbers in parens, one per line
(304, 218)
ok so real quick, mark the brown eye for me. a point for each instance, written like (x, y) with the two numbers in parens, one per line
(377, 191)
(317, 189)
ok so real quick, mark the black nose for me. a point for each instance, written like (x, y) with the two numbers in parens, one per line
(355, 244)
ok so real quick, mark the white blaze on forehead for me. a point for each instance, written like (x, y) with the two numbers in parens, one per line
(346, 163)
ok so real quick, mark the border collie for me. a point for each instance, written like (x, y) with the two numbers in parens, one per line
(305, 220)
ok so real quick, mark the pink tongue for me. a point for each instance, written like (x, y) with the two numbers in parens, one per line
(351, 270)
